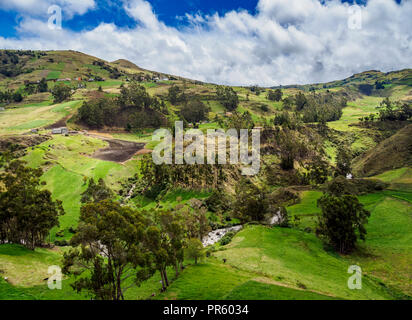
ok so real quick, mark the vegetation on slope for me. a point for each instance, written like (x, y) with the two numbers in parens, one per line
(303, 131)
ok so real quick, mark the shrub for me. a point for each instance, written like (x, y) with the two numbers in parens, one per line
(228, 97)
(227, 238)
(194, 111)
(61, 92)
(340, 186)
(194, 250)
(61, 243)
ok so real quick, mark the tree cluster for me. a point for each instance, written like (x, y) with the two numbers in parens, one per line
(394, 111)
(134, 109)
(10, 96)
(27, 212)
(13, 62)
(32, 88)
(194, 111)
(176, 95)
(240, 121)
(253, 203)
(228, 97)
(96, 192)
(275, 95)
(117, 247)
(158, 178)
(320, 107)
(61, 92)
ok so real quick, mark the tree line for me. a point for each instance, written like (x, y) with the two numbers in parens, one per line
(10, 96)
(13, 61)
(160, 178)
(390, 111)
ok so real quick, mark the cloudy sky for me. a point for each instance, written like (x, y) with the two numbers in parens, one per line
(238, 42)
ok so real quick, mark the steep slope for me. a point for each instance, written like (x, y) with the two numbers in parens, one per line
(392, 153)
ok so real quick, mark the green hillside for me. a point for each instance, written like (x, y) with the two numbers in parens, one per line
(111, 114)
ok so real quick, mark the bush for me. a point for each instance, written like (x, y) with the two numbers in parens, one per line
(176, 95)
(17, 97)
(61, 243)
(61, 92)
(194, 111)
(340, 186)
(228, 97)
(60, 233)
(264, 107)
(275, 95)
(283, 197)
(227, 238)
(217, 202)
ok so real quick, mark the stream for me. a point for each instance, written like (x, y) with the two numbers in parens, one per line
(215, 235)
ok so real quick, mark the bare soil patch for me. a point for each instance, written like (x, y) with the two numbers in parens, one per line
(58, 124)
(144, 151)
(118, 150)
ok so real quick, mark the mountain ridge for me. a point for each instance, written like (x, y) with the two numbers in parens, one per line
(80, 59)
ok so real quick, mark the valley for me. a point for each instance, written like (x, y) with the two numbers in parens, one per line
(310, 135)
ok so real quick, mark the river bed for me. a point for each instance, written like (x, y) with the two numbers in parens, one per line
(215, 235)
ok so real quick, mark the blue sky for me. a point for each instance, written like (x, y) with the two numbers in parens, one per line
(111, 11)
(227, 41)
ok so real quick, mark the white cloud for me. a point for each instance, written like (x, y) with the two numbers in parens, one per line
(293, 41)
(142, 11)
(39, 7)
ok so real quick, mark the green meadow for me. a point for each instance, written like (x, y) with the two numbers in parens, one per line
(19, 119)
(260, 262)
(67, 163)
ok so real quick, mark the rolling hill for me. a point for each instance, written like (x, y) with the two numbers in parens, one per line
(260, 262)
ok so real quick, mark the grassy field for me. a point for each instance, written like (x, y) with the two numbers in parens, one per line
(297, 259)
(214, 280)
(68, 161)
(306, 210)
(24, 267)
(254, 290)
(27, 272)
(53, 75)
(20, 119)
(387, 252)
(399, 179)
(355, 110)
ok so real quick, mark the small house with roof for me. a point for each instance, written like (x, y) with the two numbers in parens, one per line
(62, 130)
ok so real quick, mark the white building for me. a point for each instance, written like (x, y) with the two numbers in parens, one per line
(62, 130)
